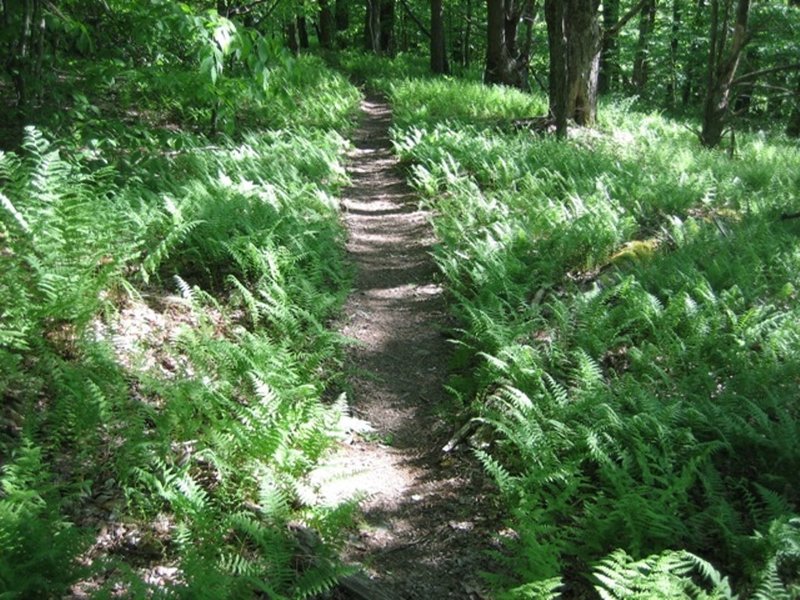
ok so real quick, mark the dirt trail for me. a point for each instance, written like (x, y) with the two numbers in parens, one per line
(427, 516)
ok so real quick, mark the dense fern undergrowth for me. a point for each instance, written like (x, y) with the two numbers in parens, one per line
(628, 333)
(164, 354)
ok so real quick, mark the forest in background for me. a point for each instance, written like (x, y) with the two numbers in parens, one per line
(615, 189)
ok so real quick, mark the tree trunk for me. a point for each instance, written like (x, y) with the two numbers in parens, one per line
(673, 52)
(387, 26)
(554, 12)
(372, 26)
(496, 58)
(582, 28)
(504, 64)
(688, 90)
(302, 32)
(291, 37)
(327, 25)
(647, 19)
(438, 46)
(468, 35)
(342, 15)
(722, 65)
(609, 69)
(793, 126)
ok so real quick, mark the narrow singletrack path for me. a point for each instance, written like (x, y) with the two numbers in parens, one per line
(427, 517)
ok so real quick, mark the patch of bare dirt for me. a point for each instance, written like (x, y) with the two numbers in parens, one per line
(428, 517)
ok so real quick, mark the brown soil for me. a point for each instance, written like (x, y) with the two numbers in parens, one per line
(428, 518)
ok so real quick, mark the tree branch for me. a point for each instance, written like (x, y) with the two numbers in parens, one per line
(414, 18)
(247, 8)
(616, 27)
(760, 72)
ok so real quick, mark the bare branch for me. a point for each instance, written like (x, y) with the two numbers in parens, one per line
(247, 8)
(616, 27)
(414, 18)
(755, 74)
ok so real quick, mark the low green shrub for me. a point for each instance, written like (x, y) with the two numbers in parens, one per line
(628, 332)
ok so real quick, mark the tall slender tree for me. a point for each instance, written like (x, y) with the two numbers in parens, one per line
(641, 61)
(438, 47)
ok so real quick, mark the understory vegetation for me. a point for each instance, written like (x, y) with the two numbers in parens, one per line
(164, 296)
(615, 193)
(628, 338)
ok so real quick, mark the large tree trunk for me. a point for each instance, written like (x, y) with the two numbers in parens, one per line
(438, 46)
(641, 61)
(327, 25)
(582, 28)
(554, 12)
(722, 64)
(609, 69)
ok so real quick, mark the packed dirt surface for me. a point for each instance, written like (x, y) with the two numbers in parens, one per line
(428, 518)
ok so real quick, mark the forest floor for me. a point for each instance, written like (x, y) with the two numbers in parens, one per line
(427, 516)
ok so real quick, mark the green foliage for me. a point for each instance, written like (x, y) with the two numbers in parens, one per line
(628, 331)
(208, 420)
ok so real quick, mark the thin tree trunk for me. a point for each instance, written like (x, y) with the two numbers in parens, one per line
(327, 25)
(387, 26)
(372, 26)
(291, 37)
(793, 126)
(554, 11)
(673, 52)
(641, 60)
(609, 69)
(342, 15)
(438, 47)
(468, 35)
(496, 58)
(688, 90)
(302, 32)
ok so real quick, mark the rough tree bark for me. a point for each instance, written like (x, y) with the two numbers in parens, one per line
(723, 60)
(582, 29)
